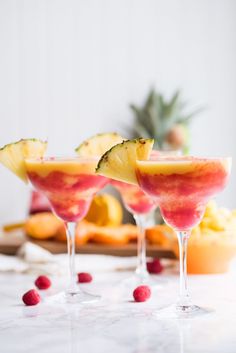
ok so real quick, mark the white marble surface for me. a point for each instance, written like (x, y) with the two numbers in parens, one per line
(116, 324)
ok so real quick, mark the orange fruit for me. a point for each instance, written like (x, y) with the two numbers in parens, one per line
(160, 235)
(87, 231)
(114, 235)
(42, 225)
(105, 210)
(82, 233)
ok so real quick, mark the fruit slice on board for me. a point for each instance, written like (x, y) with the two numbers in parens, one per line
(105, 210)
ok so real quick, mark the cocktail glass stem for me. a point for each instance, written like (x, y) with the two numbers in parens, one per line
(74, 293)
(70, 234)
(141, 269)
(184, 302)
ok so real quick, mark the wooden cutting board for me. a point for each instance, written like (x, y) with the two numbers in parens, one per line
(10, 243)
(116, 250)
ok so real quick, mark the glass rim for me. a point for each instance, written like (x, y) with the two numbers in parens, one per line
(176, 158)
(63, 159)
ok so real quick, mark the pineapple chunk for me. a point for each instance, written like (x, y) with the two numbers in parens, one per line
(13, 155)
(120, 161)
(97, 145)
(211, 209)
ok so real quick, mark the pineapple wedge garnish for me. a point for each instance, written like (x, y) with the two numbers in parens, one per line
(119, 162)
(98, 144)
(14, 154)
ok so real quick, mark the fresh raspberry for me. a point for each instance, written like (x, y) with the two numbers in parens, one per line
(84, 277)
(43, 282)
(31, 297)
(154, 266)
(142, 293)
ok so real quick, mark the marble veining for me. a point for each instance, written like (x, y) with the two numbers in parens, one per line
(116, 323)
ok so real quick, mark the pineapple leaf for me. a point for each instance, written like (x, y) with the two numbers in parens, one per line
(155, 114)
(158, 116)
(141, 131)
(150, 98)
(187, 118)
(142, 120)
(175, 99)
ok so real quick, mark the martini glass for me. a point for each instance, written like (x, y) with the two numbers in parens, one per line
(69, 184)
(140, 205)
(182, 187)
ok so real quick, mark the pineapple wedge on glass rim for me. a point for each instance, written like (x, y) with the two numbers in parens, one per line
(13, 155)
(98, 144)
(120, 161)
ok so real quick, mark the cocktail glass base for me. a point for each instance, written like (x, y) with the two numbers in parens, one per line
(181, 312)
(187, 309)
(73, 297)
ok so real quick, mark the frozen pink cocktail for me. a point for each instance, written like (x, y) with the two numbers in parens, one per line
(140, 205)
(69, 184)
(182, 186)
(135, 200)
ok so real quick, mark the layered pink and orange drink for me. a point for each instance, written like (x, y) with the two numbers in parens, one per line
(135, 200)
(140, 205)
(69, 184)
(182, 186)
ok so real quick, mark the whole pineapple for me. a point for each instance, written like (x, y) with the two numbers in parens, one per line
(165, 121)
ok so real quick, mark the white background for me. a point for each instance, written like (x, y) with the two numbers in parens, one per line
(69, 69)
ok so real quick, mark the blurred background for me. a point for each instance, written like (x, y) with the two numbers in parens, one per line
(70, 69)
